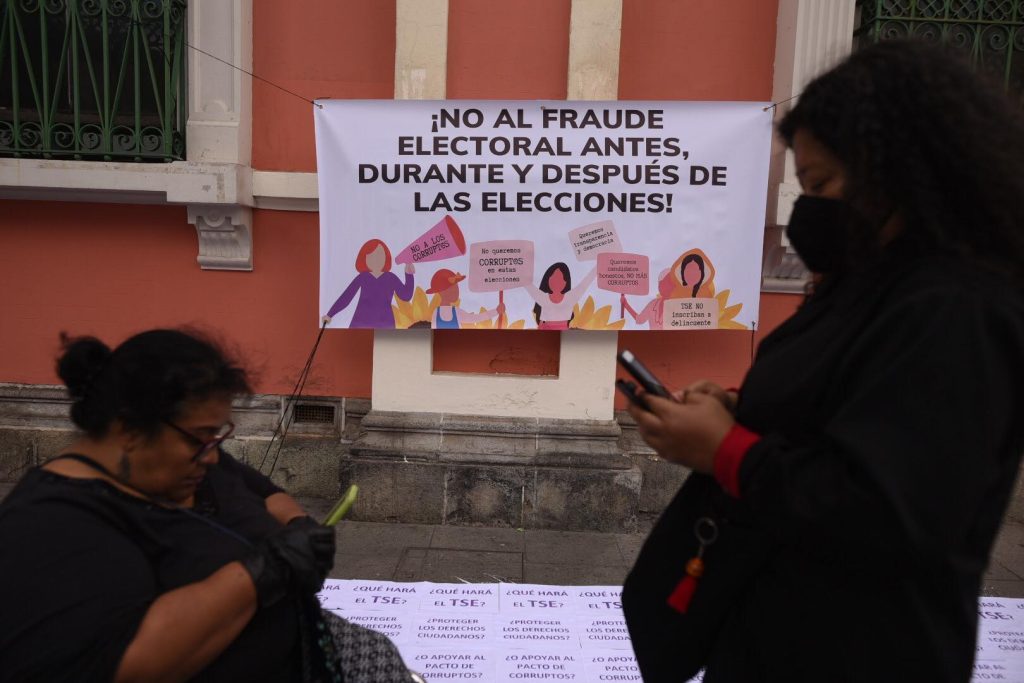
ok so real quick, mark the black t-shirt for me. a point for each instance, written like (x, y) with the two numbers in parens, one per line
(82, 561)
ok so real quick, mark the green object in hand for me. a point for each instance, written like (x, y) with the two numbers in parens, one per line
(342, 507)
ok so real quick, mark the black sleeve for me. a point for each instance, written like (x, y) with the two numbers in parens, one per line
(74, 592)
(923, 447)
(253, 480)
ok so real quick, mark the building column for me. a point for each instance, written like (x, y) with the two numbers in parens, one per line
(219, 128)
(403, 377)
(811, 37)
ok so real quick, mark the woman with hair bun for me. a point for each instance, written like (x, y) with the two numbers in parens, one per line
(143, 552)
(844, 502)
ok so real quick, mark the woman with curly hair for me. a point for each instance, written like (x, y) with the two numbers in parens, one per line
(849, 494)
(144, 552)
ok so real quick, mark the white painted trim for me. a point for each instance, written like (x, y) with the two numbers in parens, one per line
(219, 125)
(403, 380)
(811, 37)
(594, 40)
(421, 49)
(285, 191)
(225, 235)
(180, 182)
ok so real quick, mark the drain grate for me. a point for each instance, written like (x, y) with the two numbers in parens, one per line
(313, 413)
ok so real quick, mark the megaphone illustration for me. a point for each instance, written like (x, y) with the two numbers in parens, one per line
(442, 241)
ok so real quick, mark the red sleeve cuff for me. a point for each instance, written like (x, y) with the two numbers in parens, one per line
(729, 457)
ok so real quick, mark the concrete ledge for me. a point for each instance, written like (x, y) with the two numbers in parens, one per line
(178, 182)
(524, 473)
(495, 494)
(471, 439)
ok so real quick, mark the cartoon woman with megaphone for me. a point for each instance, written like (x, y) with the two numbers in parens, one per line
(376, 285)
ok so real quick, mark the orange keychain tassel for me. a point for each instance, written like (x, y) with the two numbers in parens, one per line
(706, 532)
(683, 593)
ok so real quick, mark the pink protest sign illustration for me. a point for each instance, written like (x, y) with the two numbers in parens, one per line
(593, 239)
(623, 273)
(443, 241)
(497, 265)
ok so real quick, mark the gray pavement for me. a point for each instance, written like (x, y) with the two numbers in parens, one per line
(446, 554)
(424, 552)
(1005, 575)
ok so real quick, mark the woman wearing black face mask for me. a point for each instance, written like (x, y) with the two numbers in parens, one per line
(848, 496)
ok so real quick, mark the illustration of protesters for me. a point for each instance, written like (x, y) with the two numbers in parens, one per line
(654, 312)
(556, 297)
(376, 285)
(448, 315)
(696, 276)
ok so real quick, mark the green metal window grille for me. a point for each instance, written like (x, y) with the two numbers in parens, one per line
(990, 32)
(93, 79)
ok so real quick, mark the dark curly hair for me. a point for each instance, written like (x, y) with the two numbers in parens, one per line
(148, 379)
(920, 133)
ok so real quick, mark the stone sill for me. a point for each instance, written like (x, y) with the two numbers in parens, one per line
(178, 182)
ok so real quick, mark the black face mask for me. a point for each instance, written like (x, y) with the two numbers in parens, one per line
(819, 230)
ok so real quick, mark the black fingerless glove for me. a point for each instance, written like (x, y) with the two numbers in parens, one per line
(269, 573)
(297, 557)
(321, 539)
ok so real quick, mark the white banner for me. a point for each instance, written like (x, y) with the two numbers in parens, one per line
(515, 632)
(549, 215)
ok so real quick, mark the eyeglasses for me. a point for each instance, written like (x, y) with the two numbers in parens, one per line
(204, 445)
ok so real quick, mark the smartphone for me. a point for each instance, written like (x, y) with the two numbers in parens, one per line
(342, 507)
(642, 375)
(629, 391)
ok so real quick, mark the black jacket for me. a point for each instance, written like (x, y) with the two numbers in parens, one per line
(890, 408)
(891, 411)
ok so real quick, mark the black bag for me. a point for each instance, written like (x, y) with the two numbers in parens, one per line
(673, 646)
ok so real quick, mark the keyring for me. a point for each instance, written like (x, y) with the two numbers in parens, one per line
(706, 530)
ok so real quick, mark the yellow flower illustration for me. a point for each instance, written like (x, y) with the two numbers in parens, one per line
(587, 318)
(417, 310)
(492, 324)
(420, 310)
(727, 314)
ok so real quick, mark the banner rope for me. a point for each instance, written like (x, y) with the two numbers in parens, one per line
(288, 413)
(259, 78)
(773, 105)
(135, 22)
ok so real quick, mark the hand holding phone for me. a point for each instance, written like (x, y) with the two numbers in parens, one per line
(628, 389)
(642, 375)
